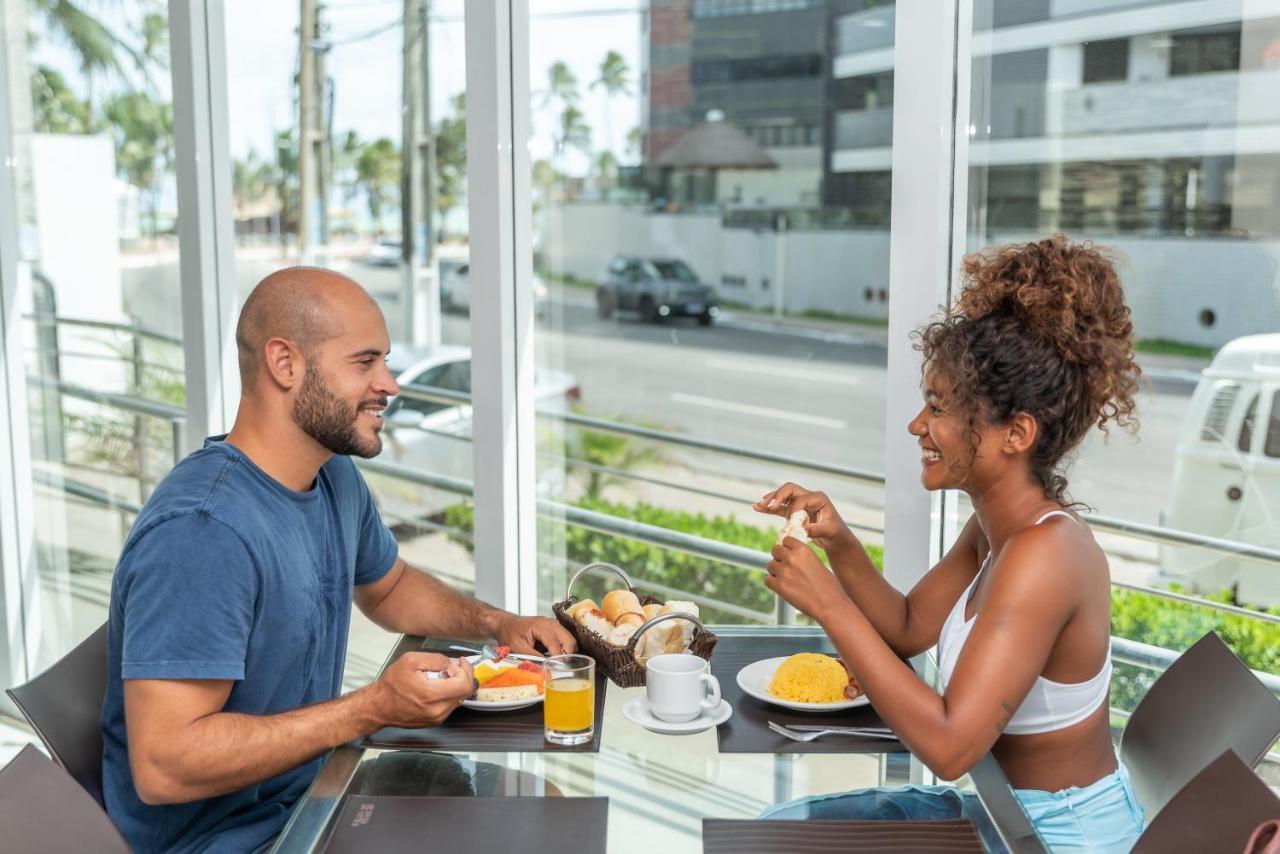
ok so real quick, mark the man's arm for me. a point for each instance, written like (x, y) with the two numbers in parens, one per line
(183, 747)
(411, 601)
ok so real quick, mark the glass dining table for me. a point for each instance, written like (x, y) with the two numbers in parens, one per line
(659, 787)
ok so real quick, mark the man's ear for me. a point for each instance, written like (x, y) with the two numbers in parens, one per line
(1020, 434)
(284, 363)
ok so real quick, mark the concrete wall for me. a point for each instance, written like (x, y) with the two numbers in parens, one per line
(1169, 282)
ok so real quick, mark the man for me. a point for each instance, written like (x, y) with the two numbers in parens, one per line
(232, 599)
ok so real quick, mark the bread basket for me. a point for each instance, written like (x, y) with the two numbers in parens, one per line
(619, 662)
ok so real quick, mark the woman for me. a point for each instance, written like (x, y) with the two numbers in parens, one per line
(1037, 350)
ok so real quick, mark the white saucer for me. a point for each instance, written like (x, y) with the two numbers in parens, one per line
(637, 711)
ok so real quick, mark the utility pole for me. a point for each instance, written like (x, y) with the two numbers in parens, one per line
(313, 136)
(419, 288)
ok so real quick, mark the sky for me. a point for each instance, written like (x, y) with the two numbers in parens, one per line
(262, 53)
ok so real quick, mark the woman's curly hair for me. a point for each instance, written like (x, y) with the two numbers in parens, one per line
(1040, 328)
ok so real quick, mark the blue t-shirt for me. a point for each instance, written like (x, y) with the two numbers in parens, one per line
(228, 574)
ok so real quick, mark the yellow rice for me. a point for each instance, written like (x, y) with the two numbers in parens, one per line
(808, 677)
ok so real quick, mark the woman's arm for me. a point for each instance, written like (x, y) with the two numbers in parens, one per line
(909, 623)
(1030, 598)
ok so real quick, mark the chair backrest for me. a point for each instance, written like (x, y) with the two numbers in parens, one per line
(42, 809)
(1206, 702)
(1004, 809)
(1216, 811)
(64, 706)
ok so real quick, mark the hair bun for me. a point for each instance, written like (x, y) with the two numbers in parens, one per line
(1063, 292)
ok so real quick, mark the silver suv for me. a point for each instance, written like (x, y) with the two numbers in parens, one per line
(658, 288)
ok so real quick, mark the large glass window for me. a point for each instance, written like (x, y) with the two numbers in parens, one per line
(707, 284)
(354, 158)
(88, 94)
(1121, 135)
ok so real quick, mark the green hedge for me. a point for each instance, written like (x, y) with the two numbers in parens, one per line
(1136, 616)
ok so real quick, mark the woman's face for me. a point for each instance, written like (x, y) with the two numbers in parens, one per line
(947, 459)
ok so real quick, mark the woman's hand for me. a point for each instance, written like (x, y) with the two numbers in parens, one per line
(825, 526)
(796, 574)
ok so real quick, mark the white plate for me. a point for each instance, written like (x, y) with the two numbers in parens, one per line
(506, 705)
(754, 679)
(637, 711)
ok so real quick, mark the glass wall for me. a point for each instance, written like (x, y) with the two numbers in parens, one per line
(320, 176)
(98, 295)
(718, 294)
(1155, 136)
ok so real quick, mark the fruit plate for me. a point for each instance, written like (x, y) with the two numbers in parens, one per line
(505, 705)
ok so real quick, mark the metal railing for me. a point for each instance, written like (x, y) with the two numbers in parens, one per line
(690, 543)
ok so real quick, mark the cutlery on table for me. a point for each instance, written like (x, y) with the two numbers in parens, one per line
(819, 732)
(835, 728)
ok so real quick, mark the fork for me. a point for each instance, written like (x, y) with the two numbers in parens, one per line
(810, 736)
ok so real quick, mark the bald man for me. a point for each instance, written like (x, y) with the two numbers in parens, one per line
(232, 598)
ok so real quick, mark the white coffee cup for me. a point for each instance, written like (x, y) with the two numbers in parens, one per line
(677, 686)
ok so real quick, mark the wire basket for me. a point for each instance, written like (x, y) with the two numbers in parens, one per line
(619, 662)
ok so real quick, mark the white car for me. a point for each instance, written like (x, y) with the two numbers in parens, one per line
(435, 436)
(455, 289)
(385, 253)
(1226, 473)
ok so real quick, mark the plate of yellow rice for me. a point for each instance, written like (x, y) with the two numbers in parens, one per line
(808, 681)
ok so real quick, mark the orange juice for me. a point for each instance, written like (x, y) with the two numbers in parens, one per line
(569, 705)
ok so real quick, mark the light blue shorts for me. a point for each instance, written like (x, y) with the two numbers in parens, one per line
(1104, 816)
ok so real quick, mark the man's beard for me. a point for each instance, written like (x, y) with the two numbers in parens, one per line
(330, 421)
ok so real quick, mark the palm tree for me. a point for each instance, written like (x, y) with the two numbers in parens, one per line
(562, 85)
(95, 45)
(378, 168)
(143, 130)
(613, 81)
(573, 131)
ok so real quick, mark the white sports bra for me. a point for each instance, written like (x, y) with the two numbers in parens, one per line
(1049, 705)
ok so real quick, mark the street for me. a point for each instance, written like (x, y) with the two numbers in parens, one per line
(814, 396)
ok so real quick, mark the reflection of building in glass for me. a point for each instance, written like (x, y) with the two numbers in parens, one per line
(1115, 118)
(765, 65)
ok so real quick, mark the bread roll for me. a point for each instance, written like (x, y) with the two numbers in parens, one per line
(633, 620)
(679, 633)
(622, 634)
(795, 527)
(595, 621)
(654, 640)
(620, 602)
(579, 609)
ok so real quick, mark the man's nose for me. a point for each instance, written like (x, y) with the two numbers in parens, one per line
(387, 382)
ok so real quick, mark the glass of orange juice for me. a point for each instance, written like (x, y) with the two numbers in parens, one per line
(569, 705)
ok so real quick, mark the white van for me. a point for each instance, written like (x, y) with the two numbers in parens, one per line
(1226, 477)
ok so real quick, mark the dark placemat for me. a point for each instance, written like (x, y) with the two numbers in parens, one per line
(472, 731)
(815, 836)
(393, 824)
(748, 730)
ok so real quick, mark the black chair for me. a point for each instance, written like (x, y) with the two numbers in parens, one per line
(1216, 811)
(42, 809)
(64, 706)
(1003, 808)
(1205, 703)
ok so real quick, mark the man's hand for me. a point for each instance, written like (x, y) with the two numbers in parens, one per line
(407, 697)
(522, 634)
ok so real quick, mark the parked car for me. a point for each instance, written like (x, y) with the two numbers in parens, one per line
(455, 289)
(435, 436)
(1226, 473)
(385, 253)
(657, 288)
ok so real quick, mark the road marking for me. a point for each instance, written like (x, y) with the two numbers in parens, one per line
(777, 371)
(762, 411)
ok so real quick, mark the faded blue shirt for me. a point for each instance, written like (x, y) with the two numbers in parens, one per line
(228, 574)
